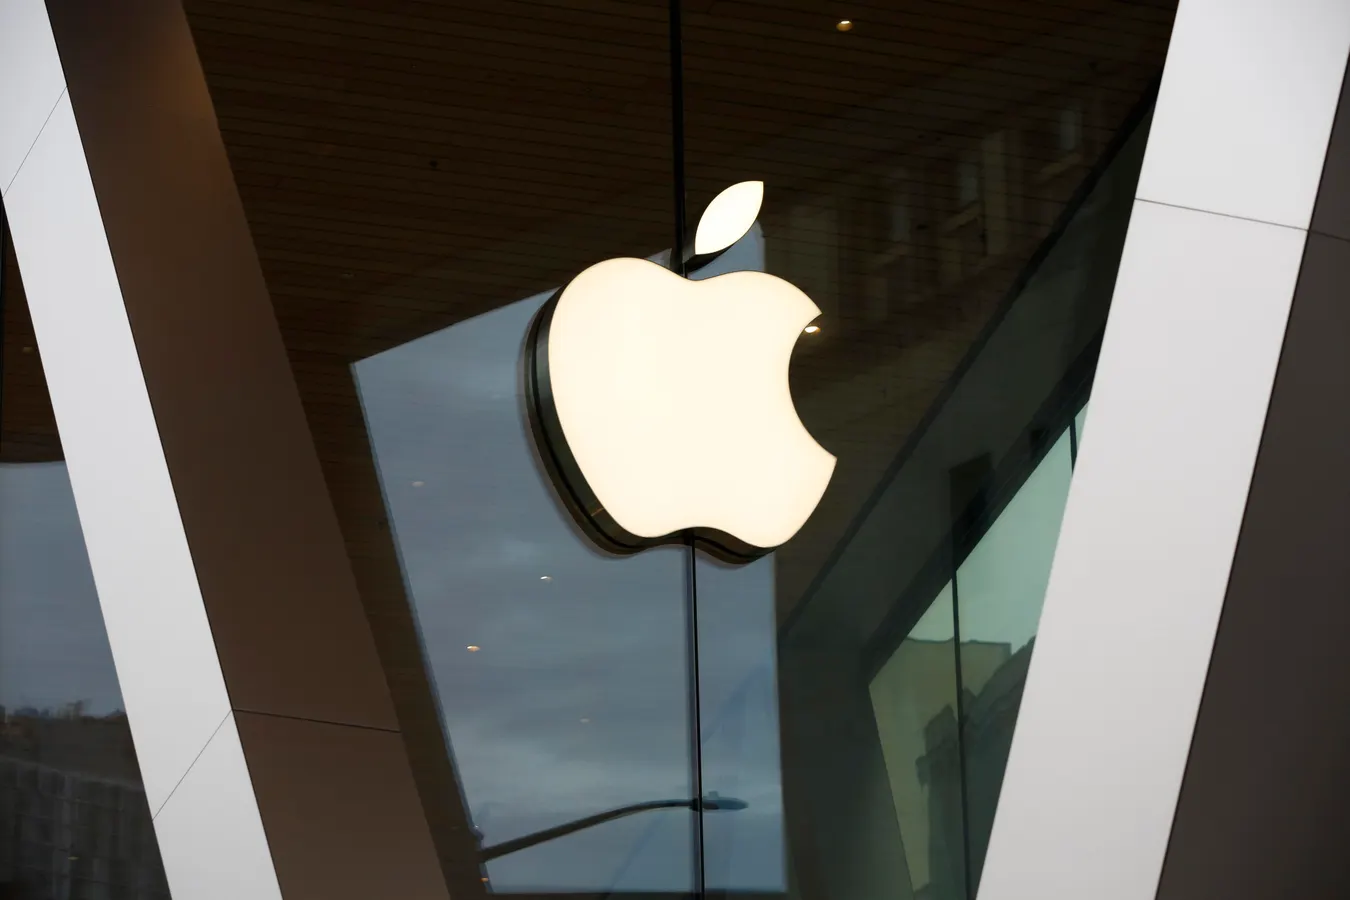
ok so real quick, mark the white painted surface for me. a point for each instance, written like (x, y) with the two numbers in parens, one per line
(1246, 107)
(1179, 401)
(152, 606)
(31, 80)
(1141, 569)
(210, 836)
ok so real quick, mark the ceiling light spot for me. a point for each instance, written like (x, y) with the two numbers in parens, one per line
(419, 484)
(844, 25)
(812, 329)
(545, 577)
(473, 648)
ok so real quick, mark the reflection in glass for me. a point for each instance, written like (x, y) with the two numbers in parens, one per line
(953, 193)
(560, 671)
(1000, 588)
(738, 694)
(950, 184)
(73, 817)
(1003, 579)
(914, 699)
(945, 778)
(739, 704)
(441, 162)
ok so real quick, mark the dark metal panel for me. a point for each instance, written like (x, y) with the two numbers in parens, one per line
(1265, 805)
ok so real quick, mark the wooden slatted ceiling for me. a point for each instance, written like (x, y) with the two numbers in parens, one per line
(385, 140)
(406, 165)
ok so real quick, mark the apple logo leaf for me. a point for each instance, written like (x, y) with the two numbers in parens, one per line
(728, 217)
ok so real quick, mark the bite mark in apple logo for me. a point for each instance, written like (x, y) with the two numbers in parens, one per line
(661, 408)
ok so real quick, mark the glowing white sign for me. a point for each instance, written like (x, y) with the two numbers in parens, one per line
(661, 405)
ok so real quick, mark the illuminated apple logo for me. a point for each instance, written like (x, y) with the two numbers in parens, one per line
(660, 406)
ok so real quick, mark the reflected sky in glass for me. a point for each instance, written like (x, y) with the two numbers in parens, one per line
(576, 698)
(53, 650)
(73, 816)
(1002, 583)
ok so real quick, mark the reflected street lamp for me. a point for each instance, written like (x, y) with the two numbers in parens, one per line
(711, 803)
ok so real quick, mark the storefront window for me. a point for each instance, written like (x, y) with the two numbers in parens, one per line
(950, 185)
(560, 672)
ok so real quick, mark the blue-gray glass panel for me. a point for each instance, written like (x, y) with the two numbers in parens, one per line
(561, 671)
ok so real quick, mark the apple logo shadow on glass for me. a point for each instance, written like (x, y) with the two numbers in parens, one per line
(660, 406)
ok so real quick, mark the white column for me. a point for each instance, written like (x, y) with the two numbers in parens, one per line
(268, 743)
(1210, 263)
(167, 665)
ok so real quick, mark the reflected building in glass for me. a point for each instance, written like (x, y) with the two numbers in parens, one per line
(297, 599)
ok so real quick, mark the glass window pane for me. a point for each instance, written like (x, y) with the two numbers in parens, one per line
(418, 178)
(560, 671)
(914, 696)
(1001, 583)
(740, 756)
(1000, 590)
(951, 185)
(743, 848)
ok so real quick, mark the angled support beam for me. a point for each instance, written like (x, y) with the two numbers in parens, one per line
(268, 743)
(1148, 557)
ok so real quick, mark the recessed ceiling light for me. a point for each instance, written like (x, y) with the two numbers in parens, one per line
(812, 329)
(844, 25)
(545, 577)
(473, 648)
(419, 484)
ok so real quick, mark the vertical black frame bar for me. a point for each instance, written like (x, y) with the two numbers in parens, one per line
(678, 266)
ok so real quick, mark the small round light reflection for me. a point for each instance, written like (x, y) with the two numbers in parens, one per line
(844, 25)
(545, 577)
(812, 329)
(473, 648)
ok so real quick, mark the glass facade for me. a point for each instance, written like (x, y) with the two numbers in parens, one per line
(74, 821)
(561, 673)
(950, 183)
